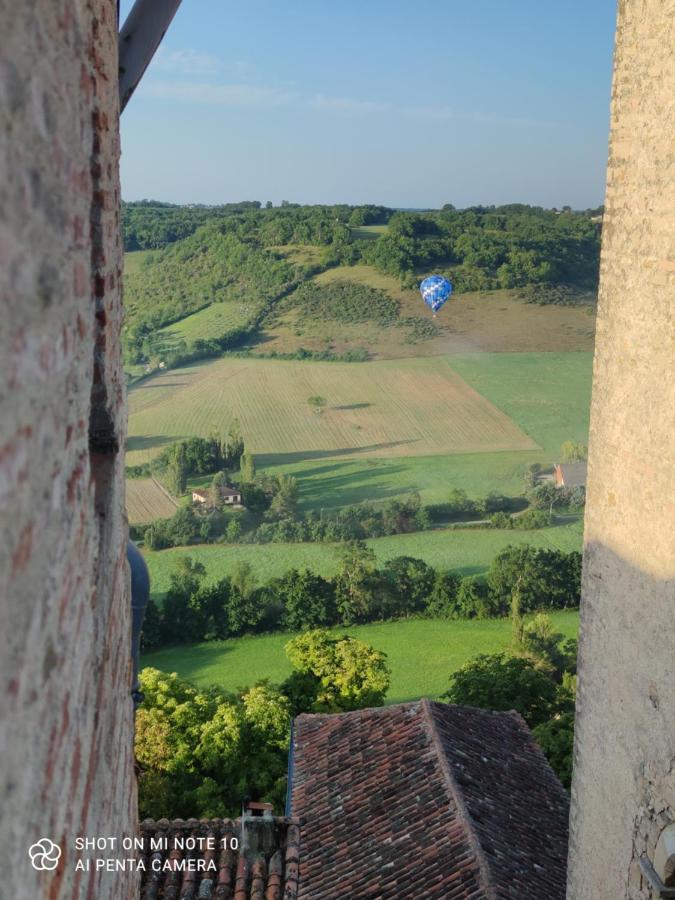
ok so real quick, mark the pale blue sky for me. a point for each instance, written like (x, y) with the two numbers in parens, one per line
(408, 103)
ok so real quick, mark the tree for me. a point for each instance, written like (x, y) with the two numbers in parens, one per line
(308, 600)
(285, 501)
(409, 584)
(317, 402)
(556, 739)
(201, 750)
(474, 600)
(546, 578)
(218, 482)
(573, 451)
(503, 682)
(244, 611)
(334, 674)
(177, 470)
(247, 468)
(442, 602)
(355, 582)
(185, 581)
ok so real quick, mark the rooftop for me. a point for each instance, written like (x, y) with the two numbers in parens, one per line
(427, 800)
(262, 866)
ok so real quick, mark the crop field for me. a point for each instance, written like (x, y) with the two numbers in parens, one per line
(468, 552)
(546, 395)
(487, 321)
(148, 500)
(212, 321)
(384, 409)
(422, 654)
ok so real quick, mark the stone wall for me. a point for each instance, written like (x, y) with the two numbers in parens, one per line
(66, 760)
(624, 778)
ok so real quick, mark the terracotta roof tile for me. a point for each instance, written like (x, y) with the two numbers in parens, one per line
(426, 800)
(265, 868)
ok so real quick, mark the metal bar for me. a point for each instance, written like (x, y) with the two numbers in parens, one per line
(140, 37)
(655, 882)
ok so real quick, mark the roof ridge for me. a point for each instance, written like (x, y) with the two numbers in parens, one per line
(358, 713)
(456, 795)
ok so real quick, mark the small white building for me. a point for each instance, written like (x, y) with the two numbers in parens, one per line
(230, 496)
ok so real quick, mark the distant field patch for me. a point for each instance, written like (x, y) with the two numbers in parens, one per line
(212, 321)
(485, 321)
(300, 254)
(422, 654)
(148, 500)
(410, 407)
(368, 232)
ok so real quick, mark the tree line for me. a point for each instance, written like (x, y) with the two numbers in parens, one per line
(195, 609)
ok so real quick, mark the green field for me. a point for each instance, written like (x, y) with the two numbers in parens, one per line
(422, 654)
(465, 551)
(212, 321)
(380, 409)
(546, 395)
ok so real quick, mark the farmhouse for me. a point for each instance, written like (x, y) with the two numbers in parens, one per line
(570, 475)
(230, 496)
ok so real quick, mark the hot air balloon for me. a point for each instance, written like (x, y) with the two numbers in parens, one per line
(435, 290)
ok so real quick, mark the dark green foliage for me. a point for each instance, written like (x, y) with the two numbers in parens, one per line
(344, 301)
(407, 587)
(359, 593)
(308, 600)
(475, 601)
(556, 739)
(502, 682)
(544, 578)
(442, 601)
(486, 247)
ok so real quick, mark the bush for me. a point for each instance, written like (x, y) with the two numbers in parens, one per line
(502, 682)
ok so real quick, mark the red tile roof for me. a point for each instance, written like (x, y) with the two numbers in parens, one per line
(426, 800)
(265, 867)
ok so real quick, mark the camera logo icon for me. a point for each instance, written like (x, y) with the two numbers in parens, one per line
(44, 855)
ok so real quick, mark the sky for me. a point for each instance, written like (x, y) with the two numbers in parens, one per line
(406, 103)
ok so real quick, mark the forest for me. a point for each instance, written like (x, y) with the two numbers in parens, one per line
(240, 255)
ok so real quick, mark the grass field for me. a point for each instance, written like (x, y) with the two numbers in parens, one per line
(487, 321)
(134, 259)
(368, 232)
(546, 395)
(212, 321)
(422, 654)
(148, 500)
(467, 552)
(384, 409)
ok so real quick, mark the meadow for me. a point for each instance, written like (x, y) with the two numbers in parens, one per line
(422, 654)
(212, 321)
(148, 500)
(546, 395)
(485, 321)
(468, 552)
(380, 409)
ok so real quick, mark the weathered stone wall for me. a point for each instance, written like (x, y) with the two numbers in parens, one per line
(66, 761)
(624, 778)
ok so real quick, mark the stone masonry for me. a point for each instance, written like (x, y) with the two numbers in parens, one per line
(66, 757)
(623, 791)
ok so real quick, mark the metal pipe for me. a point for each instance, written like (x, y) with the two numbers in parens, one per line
(140, 37)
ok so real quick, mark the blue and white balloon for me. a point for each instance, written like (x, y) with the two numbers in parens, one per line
(435, 291)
